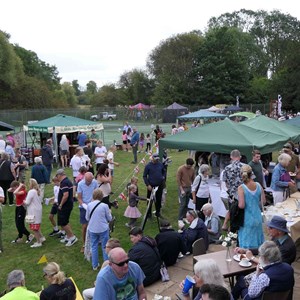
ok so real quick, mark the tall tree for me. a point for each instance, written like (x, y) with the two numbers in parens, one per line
(76, 87)
(69, 94)
(171, 64)
(108, 95)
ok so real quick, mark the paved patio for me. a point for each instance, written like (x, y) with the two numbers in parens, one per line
(184, 266)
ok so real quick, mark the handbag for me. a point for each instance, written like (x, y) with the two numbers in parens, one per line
(30, 219)
(285, 177)
(236, 216)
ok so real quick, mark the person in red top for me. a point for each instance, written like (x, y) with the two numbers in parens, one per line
(19, 190)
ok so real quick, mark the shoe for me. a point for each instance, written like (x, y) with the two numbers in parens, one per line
(111, 193)
(29, 239)
(17, 240)
(43, 239)
(133, 162)
(36, 245)
(127, 225)
(96, 268)
(61, 235)
(54, 232)
(188, 253)
(64, 240)
(71, 242)
(180, 231)
(180, 255)
(11, 204)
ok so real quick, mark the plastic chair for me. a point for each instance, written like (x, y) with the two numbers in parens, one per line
(276, 295)
(198, 248)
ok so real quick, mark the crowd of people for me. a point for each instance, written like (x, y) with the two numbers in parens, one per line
(124, 275)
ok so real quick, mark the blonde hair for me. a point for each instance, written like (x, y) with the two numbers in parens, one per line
(52, 270)
(246, 172)
(97, 194)
(284, 159)
(34, 185)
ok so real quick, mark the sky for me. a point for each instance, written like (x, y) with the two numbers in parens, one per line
(100, 40)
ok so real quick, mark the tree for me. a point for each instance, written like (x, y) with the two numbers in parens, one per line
(171, 64)
(107, 95)
(69, 92)
(34, 67)
(136, 86)
(227, 60)
(76, 87)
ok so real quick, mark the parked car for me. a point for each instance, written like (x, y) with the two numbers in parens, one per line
(104, 116)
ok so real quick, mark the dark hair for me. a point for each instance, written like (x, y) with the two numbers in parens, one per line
(254, 152)
(14, 184)
(189, 161)
(87, 142)
(82, 169)
(193, 213)
(215, 292)
(102, 169)
(136, 231)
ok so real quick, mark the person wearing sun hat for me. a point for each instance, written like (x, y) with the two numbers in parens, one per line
(278, 232)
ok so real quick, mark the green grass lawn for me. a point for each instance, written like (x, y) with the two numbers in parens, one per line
(72, 262)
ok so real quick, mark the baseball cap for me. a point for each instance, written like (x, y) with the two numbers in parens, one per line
(287, 145)
(60, 172)
(155, 156)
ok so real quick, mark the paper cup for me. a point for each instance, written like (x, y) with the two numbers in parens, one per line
(188, 283)
(47, 200)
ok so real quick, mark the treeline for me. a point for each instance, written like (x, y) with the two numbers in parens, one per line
(252, 55)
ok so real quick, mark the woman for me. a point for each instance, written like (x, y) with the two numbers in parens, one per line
(200, 189)
(59, 287)
(7, 176)
(98, 215)
(104, 179)
(271, 275)
(195, 231)
(34, 209)
(206, 272)
(280, 179)
(251, 196)
(64, 151)
(40, 174)
(79, 160)
(100, 154)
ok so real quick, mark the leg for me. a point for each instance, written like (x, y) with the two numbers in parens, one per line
(199, 203)
(158, 196)
(51, 218)
(42, 191)
(225, 224)
(94, 237)
(84, 227)
(62, 161)
(104, 237)
(184, 200)
(1, 245)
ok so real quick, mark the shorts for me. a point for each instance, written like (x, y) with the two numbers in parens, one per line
(63, 216)
(125, 142)
(54, 209)
(112, 172)
(63, 152)
(35, 227)
(82, 218)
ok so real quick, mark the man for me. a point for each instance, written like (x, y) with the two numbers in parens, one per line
(2, 144)
(233, 179)
(121, 279)
(85, 191)
(278, 233)
(185, 177)
(126, 126)
(169, 243)
(154, 176)
(65, 206)
(47, 157)
(214, 292)
(10, 150)
(212, 222)
(94, 137)
(17, 289)
(145, 253)
(10, 137)
(258, 168)
(81, 138)
(134, 143)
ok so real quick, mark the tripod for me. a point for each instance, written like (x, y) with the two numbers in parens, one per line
(148, 210)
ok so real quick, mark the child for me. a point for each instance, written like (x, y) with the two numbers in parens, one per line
(133, 180)
(132, 211)
(54, 208)
(111, 162)
(19, 190)
(124, 140)
(141, 142)
(148, 143)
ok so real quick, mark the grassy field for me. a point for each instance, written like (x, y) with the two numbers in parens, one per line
(21, 256)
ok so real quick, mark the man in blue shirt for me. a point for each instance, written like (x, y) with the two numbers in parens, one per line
(82, 137)
(134, 143)
(121, 279)
(154, 176)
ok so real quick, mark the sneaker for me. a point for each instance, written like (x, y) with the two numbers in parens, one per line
(43, 239)
(96, 268)
(127, 225)
(180, 231)
(36, 245)
(54, 232)
(71, 242)
(188, 253)
(11, 204)
(17, 240)
(180, 255)
(64, 240)
(61, 235)
(29, 239)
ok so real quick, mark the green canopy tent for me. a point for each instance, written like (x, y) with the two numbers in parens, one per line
(244, 114)
(294, 121)
(61, 124)
(274, 126)
(223, 137)
(202, 114)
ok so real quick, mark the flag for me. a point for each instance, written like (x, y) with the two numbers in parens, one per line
(279, 105)
(122, 197)
(42, 260)
(143, 161)
(150, 152)
(156, 144)
(136, 169)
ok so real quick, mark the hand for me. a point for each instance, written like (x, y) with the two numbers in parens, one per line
(149, 187)
(194, 201)
(238, 250)
(258, 269)
(84, 205)
(291, 183)
(249, 254)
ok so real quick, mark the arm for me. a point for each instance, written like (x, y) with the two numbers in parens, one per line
(241, 197)
(214, 226)
(263, 196)
(141, 292)
(258, 283)
(12, 169)
(108, 214)
(63, 199)
(194, 187)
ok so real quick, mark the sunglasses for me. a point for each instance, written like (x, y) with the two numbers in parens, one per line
(122, 263)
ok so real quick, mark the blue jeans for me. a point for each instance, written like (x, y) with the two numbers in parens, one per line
(49, 169)
(95, 238)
